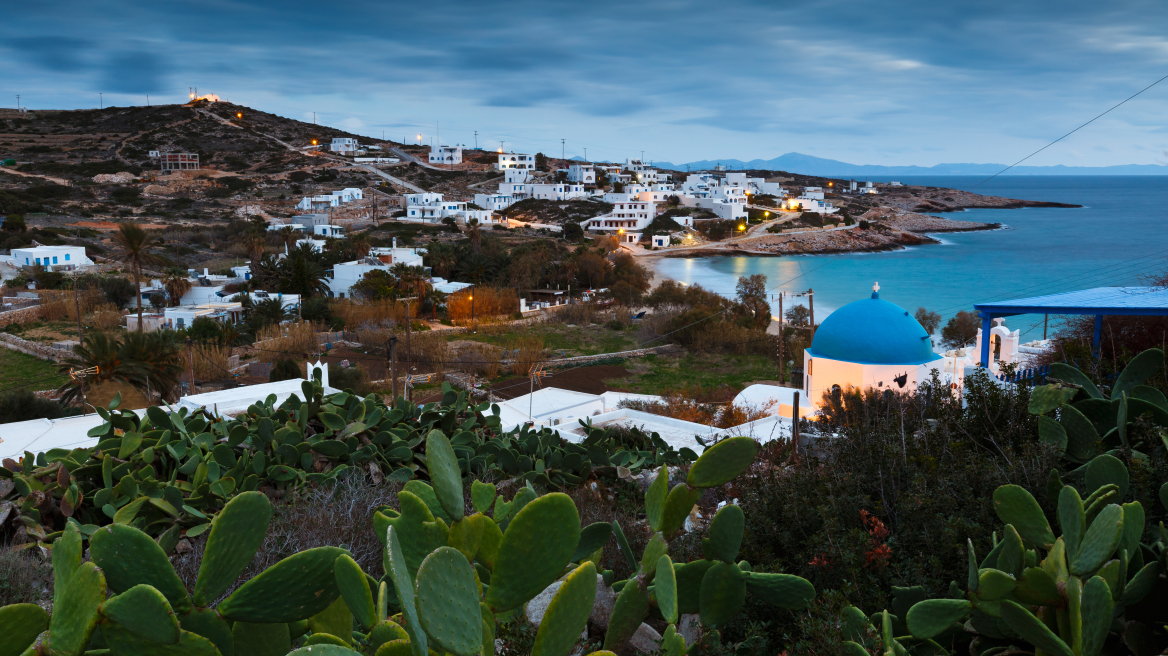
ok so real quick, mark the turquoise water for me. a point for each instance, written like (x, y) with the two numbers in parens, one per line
(1120, 234)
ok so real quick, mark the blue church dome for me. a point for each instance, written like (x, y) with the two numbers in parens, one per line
(872, 331)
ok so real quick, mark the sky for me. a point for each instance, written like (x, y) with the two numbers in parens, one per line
(895, 83)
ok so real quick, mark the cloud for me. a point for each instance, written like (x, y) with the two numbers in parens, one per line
(134, 71)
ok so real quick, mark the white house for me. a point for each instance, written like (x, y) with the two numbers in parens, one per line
(810, 205)
(494, 202)
(582, 173)
(430, 207)
(516, 184)
(183, 316)
(640, 171)
(446, 155)
(515, 161)
(319, 202)
(626, 222)
(344, 275)
(344, 145)
(557, 191)
(328, 231)
(53, 258)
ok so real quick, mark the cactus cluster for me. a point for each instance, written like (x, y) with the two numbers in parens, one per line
(1081, 421)
(1070, 595)
(168, 473)
(454, 572)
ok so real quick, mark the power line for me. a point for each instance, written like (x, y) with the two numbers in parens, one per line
(1069, 133)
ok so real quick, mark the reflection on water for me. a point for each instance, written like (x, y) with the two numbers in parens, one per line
(1120, 234)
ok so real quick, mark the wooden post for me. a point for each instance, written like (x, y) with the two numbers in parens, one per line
(794, 428)
(391, 355)
(409, 356)
(811, 308)
(1045, 317)
(780, 337)
(190, 360)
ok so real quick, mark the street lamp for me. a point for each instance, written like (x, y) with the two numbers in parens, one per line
(238, 114)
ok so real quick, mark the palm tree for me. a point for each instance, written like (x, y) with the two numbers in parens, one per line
(153, 361)
(268, 311)
(360, 243)
(301, 273)
(475, 234)
(255, 247)
(289, 237)
(99, 353)
(134, 245)
(442, 258)
(176, 283)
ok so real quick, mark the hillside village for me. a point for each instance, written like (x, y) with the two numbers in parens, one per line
(240, 343)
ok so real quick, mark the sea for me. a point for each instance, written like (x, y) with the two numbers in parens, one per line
(1119, 235)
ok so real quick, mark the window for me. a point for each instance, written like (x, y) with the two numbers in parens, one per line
(26, 260)
(38, 260)
(180, 322)
(66, 257)
(54, 259)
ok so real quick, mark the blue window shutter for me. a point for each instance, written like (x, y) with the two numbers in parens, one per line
(66, 257)
(54, 259)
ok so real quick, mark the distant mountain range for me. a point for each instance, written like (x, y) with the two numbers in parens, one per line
(810, 165)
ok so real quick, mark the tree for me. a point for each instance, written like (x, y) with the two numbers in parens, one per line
(752, 293)
(204, 329)
(301, 273)
(798, 315)
(14, 223)
(375, 285)
(255, 247)
(285, 369)
(177, 284)
(117, 290)
(541, 163)
(148, 361)
(134, 244)
(630, 280)
(930, 321)
(21, 405)
(442, 258)
(360, 243)
(475, 234)
(593, 268)
(573, 231)
(961, 329)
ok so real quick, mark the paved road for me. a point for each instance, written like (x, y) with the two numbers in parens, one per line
(396, 181)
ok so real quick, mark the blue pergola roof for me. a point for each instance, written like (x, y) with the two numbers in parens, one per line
(1145, 301)
(1100, 301)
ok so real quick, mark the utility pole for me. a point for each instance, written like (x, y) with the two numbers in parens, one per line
(409, 355)
(101, 99)
(1045, 317)
(391, 355)
(18, 102)
(811, 307)
(562, 147)
(476, 139)
(190, 364)
(314, 118)
(780, 337)
(585, 154)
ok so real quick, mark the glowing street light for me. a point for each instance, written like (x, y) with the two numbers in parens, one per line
(238, 114)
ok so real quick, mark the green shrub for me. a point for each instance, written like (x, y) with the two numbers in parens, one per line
(22, 405)
(285, 369)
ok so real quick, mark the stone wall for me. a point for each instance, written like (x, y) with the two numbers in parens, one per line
(21, 315)
(41, 351)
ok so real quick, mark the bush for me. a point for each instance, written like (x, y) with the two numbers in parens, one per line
(25, 577)
(573, 231)
(126, 195)
(22, 405)
(353, 379)
(117, 290)
(285, 369)
(14, 223)
(203, 329)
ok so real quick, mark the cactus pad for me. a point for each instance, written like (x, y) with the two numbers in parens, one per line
(143, 611)
(400, 571)
(237, 533)
(1099, 542)
(567, 614)
(488, 630)
(726, 533)
(538, 544)
(467, 533)
(122, 641)
(207, 623)
(678, 504)
(1096, 608)
(592, 537)
(418, 532)
(395, 648)
(1025, 624)
(66, 559)
(384, 632)
(295, 588)
(445, 474)
(783, 590)
(723, 593)
(325, 639)
(1107, 470)
(627, 614)
(335, 620)
(76, 616)
(448, 605)
(655, 499)
(426, 493)
(261, 639)
(722, 462)
(129, 557)
(354, 587)
(1072, 519)
(324, 650)
(665, 584)
(930, 617)
(20, 624)
(689, 585)
(1016, 506)
(482, 495)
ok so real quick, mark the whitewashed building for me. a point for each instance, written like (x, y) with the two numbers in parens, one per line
(344, 275)
(584, 174)
(344, 145)
(494, 202)
(557, 191)
(515, 161)
(627, 220)
(431, 207)
(446, 155)
(53, 258)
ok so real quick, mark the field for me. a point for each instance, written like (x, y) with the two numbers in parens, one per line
(21, 370)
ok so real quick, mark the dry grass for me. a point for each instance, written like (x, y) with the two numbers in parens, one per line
(25, 578)
(685, 406)
(476, 357)
(293, 341)
(578, 314)
(336, 516)
(58, 305)
(357, 314)
(526, 351)
(430, 349)
(211, 361)
(105, 317)
(487, 303)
